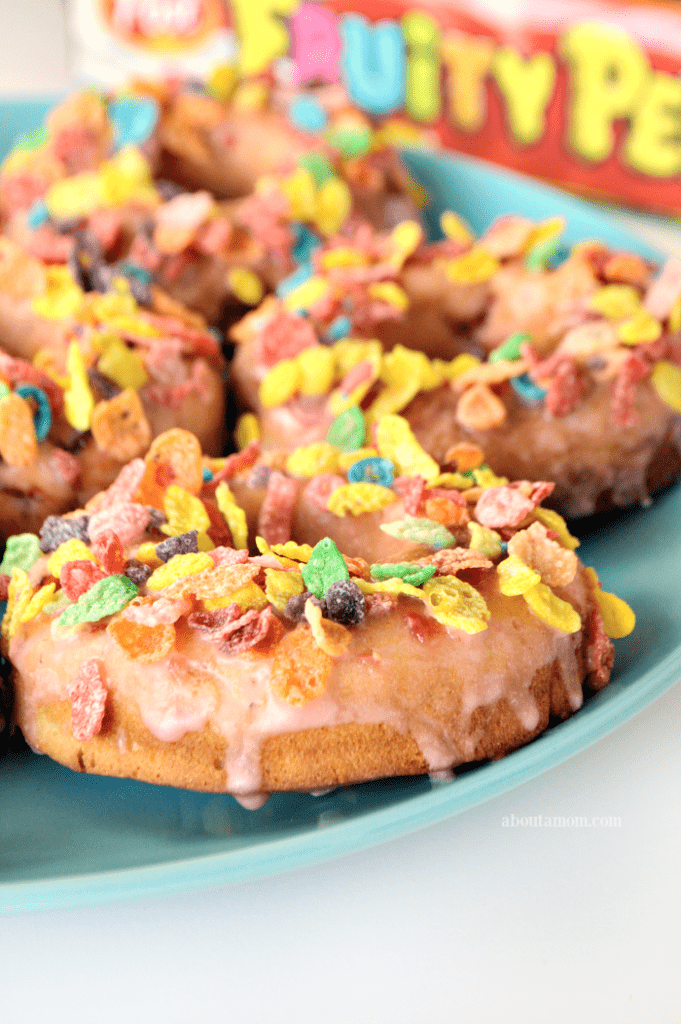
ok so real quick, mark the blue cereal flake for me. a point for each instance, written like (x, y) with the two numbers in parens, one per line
(527, 390)
(307, 113)
(37, 215)
(133, 118)
(298, 277)
(337, 329)
(373, 470)
(306, 242)
(42, 417)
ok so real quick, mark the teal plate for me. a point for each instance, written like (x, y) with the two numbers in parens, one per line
(68, 839)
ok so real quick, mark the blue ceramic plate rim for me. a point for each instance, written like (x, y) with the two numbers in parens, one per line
(416, 811)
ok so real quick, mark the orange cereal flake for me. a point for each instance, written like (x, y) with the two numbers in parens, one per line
(300, 668)
(447, 512)
(465, 456)
(173, 458)
(120, 427)
(143, 643)
(480, 409)
(18, 444)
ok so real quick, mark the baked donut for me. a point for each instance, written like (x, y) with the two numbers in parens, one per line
(87, 380)
(88, 191)
(593, 403)
(147, 642)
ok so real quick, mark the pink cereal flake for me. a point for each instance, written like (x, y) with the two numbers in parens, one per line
(106, 226)
(358, 374)
(214, 237)
(109, 551)
(502, 506)
(566, 390)
(48, 245)
(228, 556)
(247, 631)
(77, 577)
(161, 612)
(284, 337)
(663, 293)
(320, 489)
(413, 491)
(633, 370)
(67, 465)
(276, 513)
(126, 519)
(88, 695)
(123, 489)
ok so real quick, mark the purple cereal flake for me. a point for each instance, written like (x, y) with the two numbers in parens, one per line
(345, 603)
(183, 544)
(58, 529)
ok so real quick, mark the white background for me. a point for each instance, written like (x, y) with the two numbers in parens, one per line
(467, 921)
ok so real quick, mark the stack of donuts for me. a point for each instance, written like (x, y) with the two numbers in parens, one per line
(374, 576)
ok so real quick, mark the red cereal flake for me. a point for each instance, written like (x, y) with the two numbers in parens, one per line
(218, 531)
(320, 489)
(276, 513)
(175, 266)
(210, 625)
(540, 490)
(77, 577)
(379, 604)
(237, 463)
(127, 520)
(633, 370)
(247, 631)
(566, 390)
(600, 652)
(67, 465)
(141, 642)
(451, 561)
(502, 506)
(88, 694)
(412, 489)
(109, 551)
(283, 337)
(4, 584)
(420, 627)
(356, 375)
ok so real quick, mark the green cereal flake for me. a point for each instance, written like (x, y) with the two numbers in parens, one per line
(348, 430)
(407, 571)
(510, 349)
(22, 552)
(318, 166)
(326, 566)
(421, 531)
(105, 597)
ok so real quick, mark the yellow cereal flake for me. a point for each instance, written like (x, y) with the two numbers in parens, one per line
(456, 604)
(184, 512)
(394, 586)
(19, 593)
(316, 369)
(639, 328)
(280, 384)
(343, 256)
(38, 602)
(455, 227)
(484, 476)
(281, 586)
(615, 301)
(79, 402)
(306, 294)
(554, 521)
(123, 365)
(247, 430)
(390, 293)
(675, 317)
(404, 240)
(248, 597)
(555, 564)
(72, 550)
(62, 297)
(552, 609)
(245, 286)
(618, 618)
(395, 441)
(550, 228)
(453, 481)
(515, 577)
(300, 190)
(347, 459)
(177, 568)
(235, 516)
(331, 637)
(299, 552)
(333, 206)
(355, 499)
(313, 459)
(666, 379)
(147, 553)
(484, 540)
(474, 267)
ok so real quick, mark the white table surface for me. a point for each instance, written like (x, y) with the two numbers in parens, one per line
(466, 921)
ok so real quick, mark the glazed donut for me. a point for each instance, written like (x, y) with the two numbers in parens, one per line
(89, 193)
(593, 404)
(105, 377)
(147, 642)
